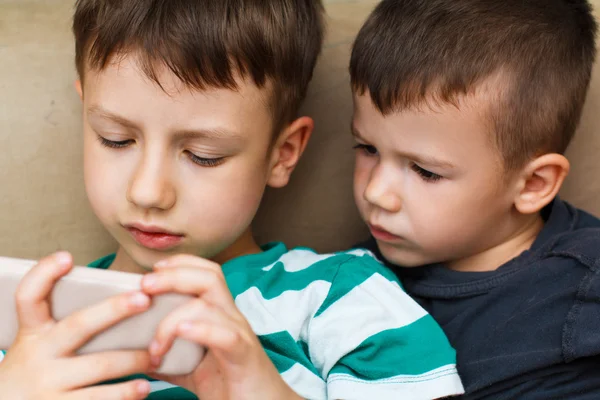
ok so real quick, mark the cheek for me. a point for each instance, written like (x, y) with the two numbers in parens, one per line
(362, 174)
(428, 205)
(230, 200)
(246, 187)
(93, 172)
(448, 213)
(104, 179)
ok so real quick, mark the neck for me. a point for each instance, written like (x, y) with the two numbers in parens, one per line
(494, 257)
(244, 245)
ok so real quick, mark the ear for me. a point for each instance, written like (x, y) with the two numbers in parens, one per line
(540, 181)
(287, 151)
(79, 88)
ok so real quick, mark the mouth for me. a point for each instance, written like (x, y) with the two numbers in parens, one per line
(154, 237)
(381, 234)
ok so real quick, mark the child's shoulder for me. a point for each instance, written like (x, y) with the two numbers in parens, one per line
(356, 263)
(567, 269)
(322, 279)
(579, 242)
(570, 235)
(582, 244)
(346, 279)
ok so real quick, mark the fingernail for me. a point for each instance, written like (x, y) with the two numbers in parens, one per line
(161, 264)
(154, 347)
(63, 258)
(149, 281)
(143, 387)
(139, 299)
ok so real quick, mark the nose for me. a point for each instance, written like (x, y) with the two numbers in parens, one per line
(150, 186)
(381, 190)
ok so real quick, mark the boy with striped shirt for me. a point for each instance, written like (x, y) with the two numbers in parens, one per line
(189, 112)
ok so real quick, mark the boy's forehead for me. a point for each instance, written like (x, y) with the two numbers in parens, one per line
(124, 92)
(445, 126)
(473, 107)
(129, 68)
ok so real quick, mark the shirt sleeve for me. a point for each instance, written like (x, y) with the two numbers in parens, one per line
(370, 340)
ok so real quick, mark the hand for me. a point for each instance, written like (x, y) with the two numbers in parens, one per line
(235, 365)
(41, 363)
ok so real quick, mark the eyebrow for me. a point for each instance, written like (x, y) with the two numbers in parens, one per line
(102, 113)
(419, 159)
(208, 133)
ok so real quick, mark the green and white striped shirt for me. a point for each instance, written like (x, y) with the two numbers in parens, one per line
(336, 326)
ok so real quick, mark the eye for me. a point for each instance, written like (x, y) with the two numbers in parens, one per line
(427, 176)
(369, 150)
(205, 162)
(115, 144)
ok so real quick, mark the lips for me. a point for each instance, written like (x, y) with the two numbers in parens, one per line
(383, 235)
(153, 237)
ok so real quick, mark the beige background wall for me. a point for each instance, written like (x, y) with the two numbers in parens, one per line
(42, 202)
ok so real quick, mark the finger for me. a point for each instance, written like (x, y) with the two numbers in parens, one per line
(33, 292)
(229, 339)
(94, 368)
(207, 283)
(132, 390)
(188, 260)
(166, 331)
(78, 328)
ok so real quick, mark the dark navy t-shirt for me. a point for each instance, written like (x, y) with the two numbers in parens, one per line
(530, 329)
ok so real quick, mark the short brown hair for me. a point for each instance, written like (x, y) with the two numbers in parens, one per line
(207, 43)
(411, 52)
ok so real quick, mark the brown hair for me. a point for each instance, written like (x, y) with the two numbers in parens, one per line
(207, 43)
(411, 52)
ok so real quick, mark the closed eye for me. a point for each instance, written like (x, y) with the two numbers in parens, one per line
(205, 162)
(114, 144)
(426, 175)
(367, 149)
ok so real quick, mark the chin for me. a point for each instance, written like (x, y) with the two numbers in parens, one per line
(402, 257)
(145, 258)
(404, 262)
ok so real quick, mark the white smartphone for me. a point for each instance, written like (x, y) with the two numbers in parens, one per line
(83, 287)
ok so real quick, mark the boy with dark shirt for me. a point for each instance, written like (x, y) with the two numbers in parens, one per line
(463, 109)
